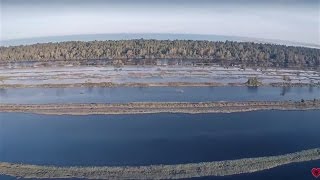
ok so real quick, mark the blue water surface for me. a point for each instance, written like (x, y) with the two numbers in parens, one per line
(154, 94)
(145, 139)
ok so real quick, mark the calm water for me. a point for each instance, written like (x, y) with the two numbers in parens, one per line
(135, 94)
(160, 139)
(154, 138)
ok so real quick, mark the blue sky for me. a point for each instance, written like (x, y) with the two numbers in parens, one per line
(291, 20)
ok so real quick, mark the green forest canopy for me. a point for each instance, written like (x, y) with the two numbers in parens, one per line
(244, 53)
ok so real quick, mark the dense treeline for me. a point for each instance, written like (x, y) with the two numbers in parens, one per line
(245, 53)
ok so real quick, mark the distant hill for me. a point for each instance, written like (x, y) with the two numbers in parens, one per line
(122, 36)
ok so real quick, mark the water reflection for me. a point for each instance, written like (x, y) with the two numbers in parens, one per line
(102, 91)
(253, 89)
(60, 92)
(3, 93)
(310, 89)
(2, 137)
(89, 90)
(285, 90)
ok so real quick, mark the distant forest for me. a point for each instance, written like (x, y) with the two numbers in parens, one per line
(206, 52)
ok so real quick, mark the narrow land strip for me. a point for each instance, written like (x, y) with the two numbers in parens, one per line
(159, 107)
(178, 171)
(167, 84)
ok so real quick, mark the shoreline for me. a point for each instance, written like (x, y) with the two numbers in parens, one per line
(178, 171)
(168, 84)
(160, 107)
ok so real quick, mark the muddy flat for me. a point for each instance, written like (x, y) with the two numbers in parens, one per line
(142, 76)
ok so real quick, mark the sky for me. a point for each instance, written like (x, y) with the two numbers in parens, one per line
(291, 20)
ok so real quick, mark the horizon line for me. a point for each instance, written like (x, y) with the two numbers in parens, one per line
(236, 39)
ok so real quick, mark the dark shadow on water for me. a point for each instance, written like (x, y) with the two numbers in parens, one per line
(3, 93)
(253, 89)
(60, 92)
(3, 177)
(310, 89)
(285, 90)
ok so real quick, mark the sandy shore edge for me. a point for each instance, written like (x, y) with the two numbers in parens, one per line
(160, 107)
(178, 171)
(168, 84)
